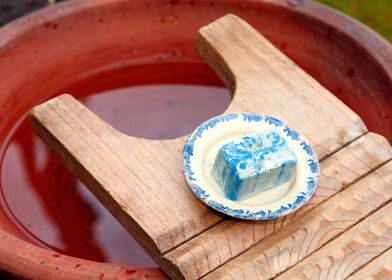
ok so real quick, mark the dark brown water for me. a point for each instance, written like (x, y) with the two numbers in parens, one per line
(55, 210)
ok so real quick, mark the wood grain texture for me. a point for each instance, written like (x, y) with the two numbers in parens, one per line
(350, 251)
(141, 181)
(264, 80)
(230, 238)
(378, 269)
(296, 241)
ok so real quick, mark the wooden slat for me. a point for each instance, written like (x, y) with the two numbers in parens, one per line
(264, 80)
(141, 181)
(232, 237)
(129, 176)
(378, 269)
(348, 252)
(289, 246)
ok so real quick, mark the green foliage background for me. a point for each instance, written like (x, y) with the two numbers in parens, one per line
(377, 14)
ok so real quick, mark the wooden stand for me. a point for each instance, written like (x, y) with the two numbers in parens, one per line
(142, 184)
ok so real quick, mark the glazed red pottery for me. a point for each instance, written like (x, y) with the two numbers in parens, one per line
(134, 63)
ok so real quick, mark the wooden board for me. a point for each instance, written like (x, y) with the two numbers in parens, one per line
(265, 81)
(141, 181)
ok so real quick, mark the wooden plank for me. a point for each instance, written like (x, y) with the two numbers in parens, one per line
(292, 244)
(150, 198)
(348, 252)
(378, 269)
(230, 238)
(141, 181)
(264, 80)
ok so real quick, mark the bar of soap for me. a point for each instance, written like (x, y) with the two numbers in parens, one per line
(253, 163)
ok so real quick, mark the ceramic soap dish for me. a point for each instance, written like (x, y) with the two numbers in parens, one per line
(282, 196)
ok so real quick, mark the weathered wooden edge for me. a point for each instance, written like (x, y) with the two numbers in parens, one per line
(230, 238)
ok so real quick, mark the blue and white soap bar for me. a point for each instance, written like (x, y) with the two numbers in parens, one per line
(253, 163)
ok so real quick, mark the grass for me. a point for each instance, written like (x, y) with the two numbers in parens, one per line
(377, 14)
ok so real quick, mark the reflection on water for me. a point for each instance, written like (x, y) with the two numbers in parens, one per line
(55, 209)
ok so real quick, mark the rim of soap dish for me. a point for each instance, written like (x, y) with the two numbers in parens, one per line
(201, 149)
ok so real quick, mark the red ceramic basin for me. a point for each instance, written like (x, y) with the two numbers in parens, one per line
(140, 57)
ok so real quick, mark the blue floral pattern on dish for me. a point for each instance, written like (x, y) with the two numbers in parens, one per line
(300, 199)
